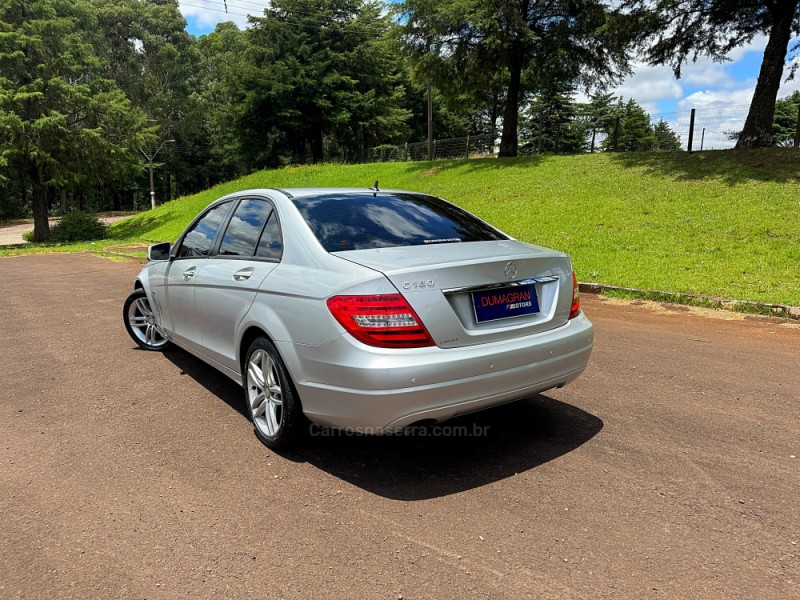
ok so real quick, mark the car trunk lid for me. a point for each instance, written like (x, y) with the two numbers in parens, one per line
(477, 292)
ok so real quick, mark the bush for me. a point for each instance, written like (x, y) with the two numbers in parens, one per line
(77, 226)
(28, 236)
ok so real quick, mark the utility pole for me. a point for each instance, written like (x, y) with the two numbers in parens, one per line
(430, 120)
(150, 160)
(797, 130)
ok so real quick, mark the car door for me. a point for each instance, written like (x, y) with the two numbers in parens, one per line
(179, 315)
(227, 284)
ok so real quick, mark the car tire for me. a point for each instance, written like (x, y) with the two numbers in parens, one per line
(141, 323)
(272, 402)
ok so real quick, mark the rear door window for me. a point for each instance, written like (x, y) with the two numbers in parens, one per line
(271, 244)
(365, 221)
(242, 234)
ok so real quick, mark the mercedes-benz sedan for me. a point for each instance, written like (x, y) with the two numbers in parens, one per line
(362, 309)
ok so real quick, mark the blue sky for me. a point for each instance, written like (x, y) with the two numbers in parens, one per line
(717, 88)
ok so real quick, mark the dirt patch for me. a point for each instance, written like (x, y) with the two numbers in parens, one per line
(431, 172)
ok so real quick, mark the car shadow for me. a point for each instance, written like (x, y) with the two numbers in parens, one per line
(434, 461)
(215, 382)
(458, 455)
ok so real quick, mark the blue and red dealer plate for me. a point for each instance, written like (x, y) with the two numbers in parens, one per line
(506, 302)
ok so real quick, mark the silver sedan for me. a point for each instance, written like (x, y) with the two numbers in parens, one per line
(363, 309)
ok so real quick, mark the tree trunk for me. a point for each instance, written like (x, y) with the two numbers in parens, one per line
(508, 140)
(41, 224)
(757, 131)
(316, 145)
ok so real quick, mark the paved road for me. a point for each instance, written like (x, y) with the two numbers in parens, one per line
(667, 471)
(12, 234)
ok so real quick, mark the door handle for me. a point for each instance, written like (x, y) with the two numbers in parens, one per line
(189, 273)
(243, 275)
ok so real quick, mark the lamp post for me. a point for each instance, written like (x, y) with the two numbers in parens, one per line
(150, 160)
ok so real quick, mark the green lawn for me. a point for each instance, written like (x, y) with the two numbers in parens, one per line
(719, 223)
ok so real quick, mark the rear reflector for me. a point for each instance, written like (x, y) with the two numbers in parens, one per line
(575, 309)
(386, 321)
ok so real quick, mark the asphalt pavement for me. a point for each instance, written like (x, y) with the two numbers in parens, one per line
(668, 470)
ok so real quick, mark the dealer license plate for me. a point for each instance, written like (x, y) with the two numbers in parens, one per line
(504, 303)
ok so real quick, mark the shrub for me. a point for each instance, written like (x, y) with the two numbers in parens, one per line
(28, 236)
(77, 226)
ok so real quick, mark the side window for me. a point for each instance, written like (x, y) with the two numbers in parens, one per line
(271, 244)
(242, 234)
(197, 242)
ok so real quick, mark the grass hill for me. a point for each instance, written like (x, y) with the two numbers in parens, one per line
(722, 223)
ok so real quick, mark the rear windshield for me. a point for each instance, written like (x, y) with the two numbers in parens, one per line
(365, 221)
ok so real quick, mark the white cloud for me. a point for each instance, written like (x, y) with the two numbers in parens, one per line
(707, 73)
(650, 84)
(757, 45)
(716, 99)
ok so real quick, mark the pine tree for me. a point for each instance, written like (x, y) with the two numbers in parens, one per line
(665, 139)
(62, 124)
(784, 124)
(319, 71)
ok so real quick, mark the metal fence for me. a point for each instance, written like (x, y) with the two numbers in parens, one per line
(471, 146)
(708, 128)
(699, 129)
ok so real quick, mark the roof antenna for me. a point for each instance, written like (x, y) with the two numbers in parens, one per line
(375, 187)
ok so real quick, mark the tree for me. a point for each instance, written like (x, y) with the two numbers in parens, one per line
(785, 123)
(518, 38)
(665, 139)
(217, 99)
(632, 130)
(600, 115)
(551, 123)
(681, 30)
(320, 71)
(627, 128)
(62, 124)
(145, 48)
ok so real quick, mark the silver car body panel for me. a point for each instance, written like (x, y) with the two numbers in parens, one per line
(343, 382)
(348, 384)
(430, 278)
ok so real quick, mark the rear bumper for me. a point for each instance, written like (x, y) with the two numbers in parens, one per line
(350, 385)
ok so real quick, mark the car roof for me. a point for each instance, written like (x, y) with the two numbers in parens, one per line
(309, 192)
(322, 191)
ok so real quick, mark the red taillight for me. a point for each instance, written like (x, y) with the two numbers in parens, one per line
(575, 309)
(386, 321)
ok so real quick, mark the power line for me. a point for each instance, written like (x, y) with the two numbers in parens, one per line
(219, 10)
(226, 4)
(374, 29)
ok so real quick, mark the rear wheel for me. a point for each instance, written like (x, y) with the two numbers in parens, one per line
(141, 323)
(272, 403)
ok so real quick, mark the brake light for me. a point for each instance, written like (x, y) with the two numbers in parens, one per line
(575, 309)
(386, 321)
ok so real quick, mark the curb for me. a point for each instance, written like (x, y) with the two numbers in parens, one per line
(746, 306)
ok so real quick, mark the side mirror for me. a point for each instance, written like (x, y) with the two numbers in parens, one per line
(159, 251)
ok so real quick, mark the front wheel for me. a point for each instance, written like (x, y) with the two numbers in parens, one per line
(272, 403)
(141, 324)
